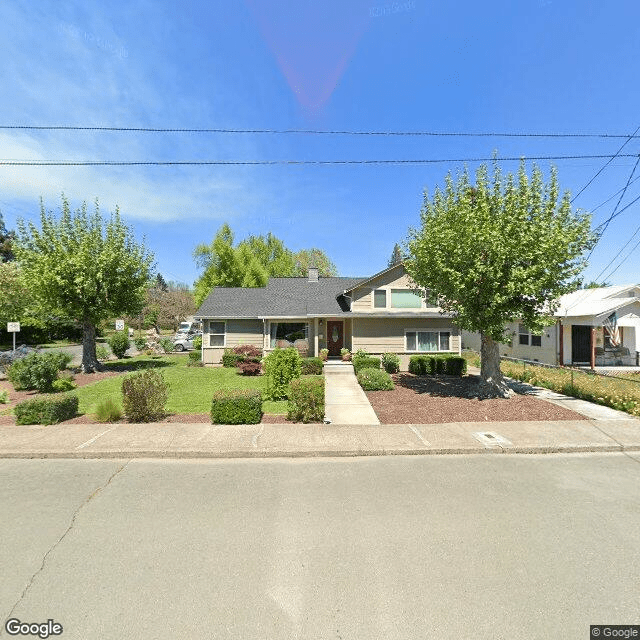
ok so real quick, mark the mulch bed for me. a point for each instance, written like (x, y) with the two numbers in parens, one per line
(441, 399)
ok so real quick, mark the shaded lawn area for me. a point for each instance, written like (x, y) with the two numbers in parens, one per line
(190, 388)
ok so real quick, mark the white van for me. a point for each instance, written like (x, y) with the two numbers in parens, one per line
(191, 326)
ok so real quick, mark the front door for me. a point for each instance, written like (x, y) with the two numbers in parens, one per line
(335, 336)
(580, 343)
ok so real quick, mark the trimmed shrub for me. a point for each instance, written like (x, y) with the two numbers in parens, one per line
(365, 362)
(108, 411)
(248, 350)
(36, 371)
(236, 406)
(281, 366)
(422, 365)
(194, 356)
(62, 359)
(102, 353)
(197, 343)
(455, 366)
(65, 383)
(306, 399)
(4, 397)
(166, 344)
(47, 410)
(230, 359)
(391, 362)
(249, 368)
(312, 367)
(119, 343)
(144, 395)
(375, 380)
(140, 343)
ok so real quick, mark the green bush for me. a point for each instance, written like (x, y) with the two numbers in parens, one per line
(102, 353)
(65, 383)
(236, 406)
(229, 358)
(140, 343)
(36, 371)
(47, 410)
(365, 362)
(306, 399)
(144, 395)
(391, 362)
(281, 366)
(119, 343)
(312, 366)
(455, 366)
(166, 344)
(108, 411)
(375, 380)
(4, 397)
(422, 365)
(197, 343)
(62, 359)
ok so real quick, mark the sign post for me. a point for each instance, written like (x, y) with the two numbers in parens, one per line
(13, 327)
(119, 325)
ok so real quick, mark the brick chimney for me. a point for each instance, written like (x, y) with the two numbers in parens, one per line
(313, 274)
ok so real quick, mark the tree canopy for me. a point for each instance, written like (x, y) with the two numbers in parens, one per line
(501, 250)
(396, 256)
(251, 262)
(6, 242)
(83, 266)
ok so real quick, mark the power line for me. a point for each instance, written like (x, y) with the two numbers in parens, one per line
(118, 163)
(345, 132)
(613, 196)
(606, 164)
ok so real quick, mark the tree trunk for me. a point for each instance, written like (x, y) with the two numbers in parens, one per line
(89, 360)
(492, 378)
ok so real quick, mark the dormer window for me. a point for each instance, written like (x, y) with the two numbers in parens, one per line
(380, 299)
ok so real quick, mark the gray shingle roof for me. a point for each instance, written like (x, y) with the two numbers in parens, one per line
(282, 297)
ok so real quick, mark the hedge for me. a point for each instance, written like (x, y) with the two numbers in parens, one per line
(47, 409)
(306, 399)
(375, 380)
(312, 366)
(365, 362)
(421, 365)
(236, 406)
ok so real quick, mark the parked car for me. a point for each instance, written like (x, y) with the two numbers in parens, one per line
(184, 341)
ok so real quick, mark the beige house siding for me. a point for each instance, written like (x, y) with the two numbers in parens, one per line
(387, 335)
(238, 331)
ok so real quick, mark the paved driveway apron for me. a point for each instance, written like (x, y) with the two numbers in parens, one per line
(345, 401)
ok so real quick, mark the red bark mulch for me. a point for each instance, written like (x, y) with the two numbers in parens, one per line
(441, 399)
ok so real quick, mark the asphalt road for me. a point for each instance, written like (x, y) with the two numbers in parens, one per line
(391, 547)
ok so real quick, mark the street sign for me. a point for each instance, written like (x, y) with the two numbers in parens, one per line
(13, 327)
(119, 325)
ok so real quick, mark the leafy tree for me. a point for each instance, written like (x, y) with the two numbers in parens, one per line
(499, 251)
(251, 262)
(15, 295)
(314, 258)
(7, 238)
(87, 267)
(595, 285)
(396, 256)
(160, 283)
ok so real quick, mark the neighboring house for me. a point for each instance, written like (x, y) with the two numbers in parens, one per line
(594, 327)
(382, 313)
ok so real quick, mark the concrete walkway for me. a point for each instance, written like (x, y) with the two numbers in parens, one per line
(345, 401)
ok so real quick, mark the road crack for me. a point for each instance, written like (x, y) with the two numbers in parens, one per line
(61, 538)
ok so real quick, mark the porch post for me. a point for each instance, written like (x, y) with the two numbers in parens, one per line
(315, 338)
(561, 332)
(593, 348)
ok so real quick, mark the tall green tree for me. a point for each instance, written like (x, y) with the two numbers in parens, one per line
(500, 250)
(314, 258)
(15, 295)
(84, 266)
(7, 239)
(396, 256)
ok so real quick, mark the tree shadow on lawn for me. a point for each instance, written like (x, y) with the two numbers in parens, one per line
(137, 365)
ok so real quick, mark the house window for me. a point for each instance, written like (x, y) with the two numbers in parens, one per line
(427, 340)
(287, 334)
(217, 333)
(405, 299)
(380, 299)
(526, 337)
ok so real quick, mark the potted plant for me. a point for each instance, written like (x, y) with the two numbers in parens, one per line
(324, 354)
(345, 354)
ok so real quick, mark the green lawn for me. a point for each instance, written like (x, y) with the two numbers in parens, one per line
(190, 388)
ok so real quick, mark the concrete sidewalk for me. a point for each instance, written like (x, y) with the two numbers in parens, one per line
(345, 401)
(176, 440)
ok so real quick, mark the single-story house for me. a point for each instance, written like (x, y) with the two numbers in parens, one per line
(594, 327)
(381, 313)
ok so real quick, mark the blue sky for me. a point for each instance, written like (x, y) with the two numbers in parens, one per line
(496, 66)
